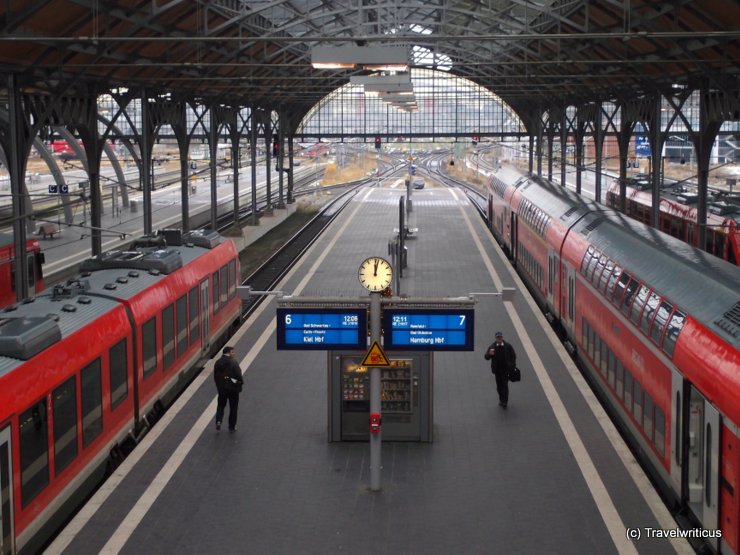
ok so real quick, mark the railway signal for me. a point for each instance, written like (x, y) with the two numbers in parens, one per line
(377, 143)
(275, 145)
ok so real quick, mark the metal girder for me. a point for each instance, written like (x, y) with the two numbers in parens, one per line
(237, 52)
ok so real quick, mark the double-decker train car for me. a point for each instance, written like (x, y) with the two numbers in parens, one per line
(654, 323)
(678, 217)
(86, 366)
(34, 261)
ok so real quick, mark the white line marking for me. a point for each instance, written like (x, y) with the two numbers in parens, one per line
(596, 486)
(139, 510)
(653, 501)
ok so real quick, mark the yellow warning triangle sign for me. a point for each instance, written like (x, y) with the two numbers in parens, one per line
(375, 357)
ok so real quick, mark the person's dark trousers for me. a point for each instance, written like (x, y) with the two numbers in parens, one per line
(233, 399)
(502, 386)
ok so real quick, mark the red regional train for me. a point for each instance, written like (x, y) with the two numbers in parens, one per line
(34, 261)
(654, 323)
(86, 366)
(678, 218)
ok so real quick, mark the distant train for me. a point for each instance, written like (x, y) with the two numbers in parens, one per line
(34, 262)
(679, 219)
(86, 366)
(654, 323)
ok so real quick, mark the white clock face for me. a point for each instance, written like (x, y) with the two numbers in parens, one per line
(375, 274)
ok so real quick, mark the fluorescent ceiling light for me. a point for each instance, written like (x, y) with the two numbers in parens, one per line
(398, 79)
(396, 89)
(398, 98)
(381, 58)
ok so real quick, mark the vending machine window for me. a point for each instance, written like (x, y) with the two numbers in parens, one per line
(355, 385)
(395, 387)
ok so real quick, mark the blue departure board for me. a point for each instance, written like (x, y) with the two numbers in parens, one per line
(429, 329)
(321, 328)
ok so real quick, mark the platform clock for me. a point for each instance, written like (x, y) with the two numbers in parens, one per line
(375, 274)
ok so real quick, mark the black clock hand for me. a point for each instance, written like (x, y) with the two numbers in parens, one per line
(375, 268)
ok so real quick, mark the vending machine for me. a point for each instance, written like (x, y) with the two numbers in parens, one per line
(405, 397)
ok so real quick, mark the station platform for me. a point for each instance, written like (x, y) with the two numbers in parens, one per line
(549, 474)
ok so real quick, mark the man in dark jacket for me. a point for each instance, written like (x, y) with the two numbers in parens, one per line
(503, 359)
(228, 377)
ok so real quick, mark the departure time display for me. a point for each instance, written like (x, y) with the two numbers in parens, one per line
(321, 328)
(429, 329)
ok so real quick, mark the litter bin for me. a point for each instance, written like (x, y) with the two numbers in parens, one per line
(134, 204)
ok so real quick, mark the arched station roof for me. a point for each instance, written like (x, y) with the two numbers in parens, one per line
(532, 53)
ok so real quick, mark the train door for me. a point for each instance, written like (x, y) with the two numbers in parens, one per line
(205, 316)
(6, 494)
(703, 435)
(31, 265)
(568, 308)
(514, 239)
(676, 419)
(552, 270)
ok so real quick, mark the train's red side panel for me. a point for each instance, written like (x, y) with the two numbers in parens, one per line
(79, 340)
(7, 260)
(729, 507)
(711, 365)
(20, 390)
(684, 386)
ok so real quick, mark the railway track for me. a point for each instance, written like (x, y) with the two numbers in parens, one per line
(274, 268)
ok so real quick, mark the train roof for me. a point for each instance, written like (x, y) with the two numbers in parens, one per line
(31, 326)
(28, 328)
(705, 286)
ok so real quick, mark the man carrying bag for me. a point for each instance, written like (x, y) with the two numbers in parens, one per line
(228, 378)
(503, 362)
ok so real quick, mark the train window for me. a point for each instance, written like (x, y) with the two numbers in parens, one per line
(92, 402)
(618, 292)
(64, 407)
(637, 402)
(616, 272)
(232, 278)
(584, 334)
(168, 336)
(629, 293)
(590, 342)
(597, 351)
(611, 369)
(216, 292)
(182, 325)
(627, 390)
(224, 284)
(592, 263)
(598, 270)
(605, 350)
(605, 276)
(33, 435)
(640, 299)
(620, 379)
(118, 379)
(193, 315)
(675, 326)
(659, 322)
(647, 421)
(659, 436)
(665, 223)
(149, 346)
(647, 314)
(716, 245)
(586, 260)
